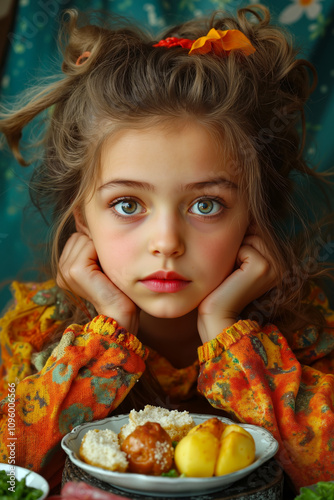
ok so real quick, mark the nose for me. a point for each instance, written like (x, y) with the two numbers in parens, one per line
(167, 239)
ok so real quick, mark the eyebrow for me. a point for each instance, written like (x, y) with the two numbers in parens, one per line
(217, 181)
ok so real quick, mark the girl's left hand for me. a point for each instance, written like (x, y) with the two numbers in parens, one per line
(253, 277)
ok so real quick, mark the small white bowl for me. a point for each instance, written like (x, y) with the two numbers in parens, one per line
(33, 480)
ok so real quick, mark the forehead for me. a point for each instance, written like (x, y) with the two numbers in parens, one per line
(180, 148)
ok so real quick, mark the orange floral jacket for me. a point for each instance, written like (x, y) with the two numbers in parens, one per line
(249, 372)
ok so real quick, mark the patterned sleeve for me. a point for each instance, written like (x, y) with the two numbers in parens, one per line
(253, 374)
(87, 375)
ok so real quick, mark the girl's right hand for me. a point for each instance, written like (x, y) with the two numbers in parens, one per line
(79, 272)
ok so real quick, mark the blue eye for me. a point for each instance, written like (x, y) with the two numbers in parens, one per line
(206, 206)
(127, 206)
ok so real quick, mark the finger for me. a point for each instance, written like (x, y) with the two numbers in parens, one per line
(257, 265)
(74, 259)
(251, 256)
(73, 246)
(80, 254)
(259, 245)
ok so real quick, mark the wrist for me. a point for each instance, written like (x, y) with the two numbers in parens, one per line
(125, 319)
(209, 328)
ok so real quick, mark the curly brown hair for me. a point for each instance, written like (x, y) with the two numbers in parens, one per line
(255, 103)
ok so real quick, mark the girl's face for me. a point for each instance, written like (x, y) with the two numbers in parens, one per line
(167, 218)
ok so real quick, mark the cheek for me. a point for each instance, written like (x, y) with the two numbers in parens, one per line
(115, 254)
(220, 258)
(220, 253)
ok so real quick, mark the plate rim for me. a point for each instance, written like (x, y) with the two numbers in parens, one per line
(173, 484)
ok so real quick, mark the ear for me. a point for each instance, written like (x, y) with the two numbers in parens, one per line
(80, 221)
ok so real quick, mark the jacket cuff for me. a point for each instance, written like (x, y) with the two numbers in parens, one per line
(226, 338)
(103, 325)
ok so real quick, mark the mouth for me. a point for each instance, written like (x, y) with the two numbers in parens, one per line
(165, 282)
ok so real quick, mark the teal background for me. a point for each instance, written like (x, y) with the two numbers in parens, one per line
(32, 54)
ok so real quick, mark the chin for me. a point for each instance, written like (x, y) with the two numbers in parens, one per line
(168, 312)
(168, 316)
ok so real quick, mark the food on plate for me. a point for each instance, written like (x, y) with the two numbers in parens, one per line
(237, 450)
(176, 423)
(214, 449)
(196, 454)
(145, 445)
(212, 425)
(149, 449)
(101, 448)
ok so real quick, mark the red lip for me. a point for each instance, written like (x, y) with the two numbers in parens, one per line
(165, 275)
(165, 282)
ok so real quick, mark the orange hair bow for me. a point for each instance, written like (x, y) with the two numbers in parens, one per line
(222, 42)
(216, 41)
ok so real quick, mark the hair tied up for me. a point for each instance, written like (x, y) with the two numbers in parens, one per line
(217, 42)
(83, 58)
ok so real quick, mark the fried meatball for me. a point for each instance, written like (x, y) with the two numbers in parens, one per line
(149, 449)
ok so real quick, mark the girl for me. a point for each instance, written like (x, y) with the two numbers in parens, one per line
(169, 169)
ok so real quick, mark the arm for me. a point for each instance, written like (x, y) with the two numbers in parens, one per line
(254, 375)
(87, 376)
(80, 273)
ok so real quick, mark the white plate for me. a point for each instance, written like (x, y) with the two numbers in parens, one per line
(33, 480)
(266, 447)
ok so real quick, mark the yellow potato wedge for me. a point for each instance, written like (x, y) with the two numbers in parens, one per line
(213, 425)
(235, 428)
(196, 454)
(237, 450)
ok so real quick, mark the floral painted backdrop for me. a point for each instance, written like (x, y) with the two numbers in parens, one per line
(33, 55)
